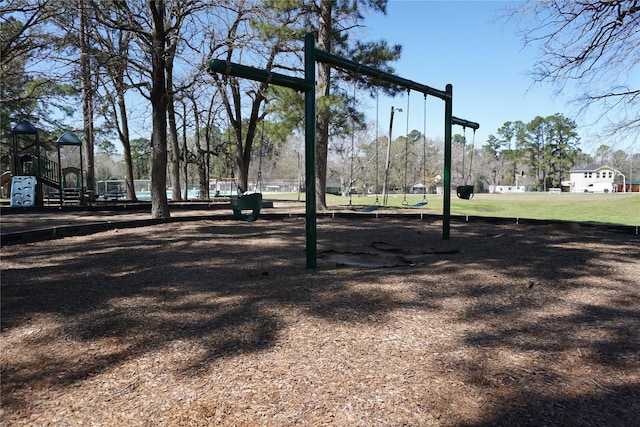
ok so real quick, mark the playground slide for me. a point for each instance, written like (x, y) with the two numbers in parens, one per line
(5, 178)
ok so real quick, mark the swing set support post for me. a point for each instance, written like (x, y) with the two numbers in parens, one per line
(448, 124)
(306, 85)
(310, 149)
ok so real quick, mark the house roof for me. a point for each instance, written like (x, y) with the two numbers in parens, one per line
(592, 167)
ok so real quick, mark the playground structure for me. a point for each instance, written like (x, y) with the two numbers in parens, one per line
(31, 170)
(308, 86)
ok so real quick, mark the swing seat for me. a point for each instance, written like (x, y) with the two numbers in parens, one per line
(465, 192)
(252, 202)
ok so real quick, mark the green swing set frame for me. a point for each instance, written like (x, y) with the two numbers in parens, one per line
(308, 86)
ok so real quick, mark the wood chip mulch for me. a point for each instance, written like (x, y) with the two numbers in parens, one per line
(220, 323)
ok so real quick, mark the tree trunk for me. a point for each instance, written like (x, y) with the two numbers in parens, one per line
(173, 138)
(208, 138)
(244, 146)
(126, 145)
(159, 101)
(87, 100)
(243, 172)
(185, 151)
(323, 116)
(201, 163)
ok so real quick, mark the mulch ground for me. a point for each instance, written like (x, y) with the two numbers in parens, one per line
(220, 323)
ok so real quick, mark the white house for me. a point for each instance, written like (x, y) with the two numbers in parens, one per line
(592, 178)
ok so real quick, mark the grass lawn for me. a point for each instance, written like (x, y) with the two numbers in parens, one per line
(617, 208)
(612, 208)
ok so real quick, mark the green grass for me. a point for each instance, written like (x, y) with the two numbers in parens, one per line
(620, 208)
(617, 208)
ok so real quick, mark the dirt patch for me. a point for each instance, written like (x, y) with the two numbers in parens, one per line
(219, 323)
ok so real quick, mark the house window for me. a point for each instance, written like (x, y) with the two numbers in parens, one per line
(589, 175)
(597, 174)
(610, 174)
(585, 174)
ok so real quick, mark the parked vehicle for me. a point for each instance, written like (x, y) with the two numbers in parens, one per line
(599, 187)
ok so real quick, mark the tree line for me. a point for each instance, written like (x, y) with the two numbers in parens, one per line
(143, 64)
(108, 53)
(537, 155)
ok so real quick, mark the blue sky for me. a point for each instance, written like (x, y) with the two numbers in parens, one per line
(466, 44)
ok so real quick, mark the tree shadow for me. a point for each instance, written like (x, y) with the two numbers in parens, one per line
(223, 288)
(619, 406)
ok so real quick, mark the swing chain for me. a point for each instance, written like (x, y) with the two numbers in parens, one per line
(424, 151)
(377, 202)
(473, 143)
(464, 144)
(353, 130)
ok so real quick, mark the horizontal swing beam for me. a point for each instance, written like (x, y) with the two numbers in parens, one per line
(238, 70)
(349, 65)
(464, 123)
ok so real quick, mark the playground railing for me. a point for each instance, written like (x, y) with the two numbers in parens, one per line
(48, 170)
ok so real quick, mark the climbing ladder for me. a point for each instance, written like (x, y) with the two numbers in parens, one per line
(71, 196)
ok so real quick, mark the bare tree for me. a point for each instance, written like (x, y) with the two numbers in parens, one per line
(155, 25)
(157, 38)
(334, 21)
(113, 60)
(594, 43)
(88, 93)
(269, 39)
(180, 17)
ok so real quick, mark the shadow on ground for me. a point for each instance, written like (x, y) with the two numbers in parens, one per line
(225, 286)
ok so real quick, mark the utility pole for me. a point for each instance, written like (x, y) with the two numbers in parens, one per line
(388, 162)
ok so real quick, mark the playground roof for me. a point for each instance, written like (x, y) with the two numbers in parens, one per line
(24, 127)
(69, 138)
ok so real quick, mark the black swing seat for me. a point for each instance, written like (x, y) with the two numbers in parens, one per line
(252, 202)
(465, 191)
